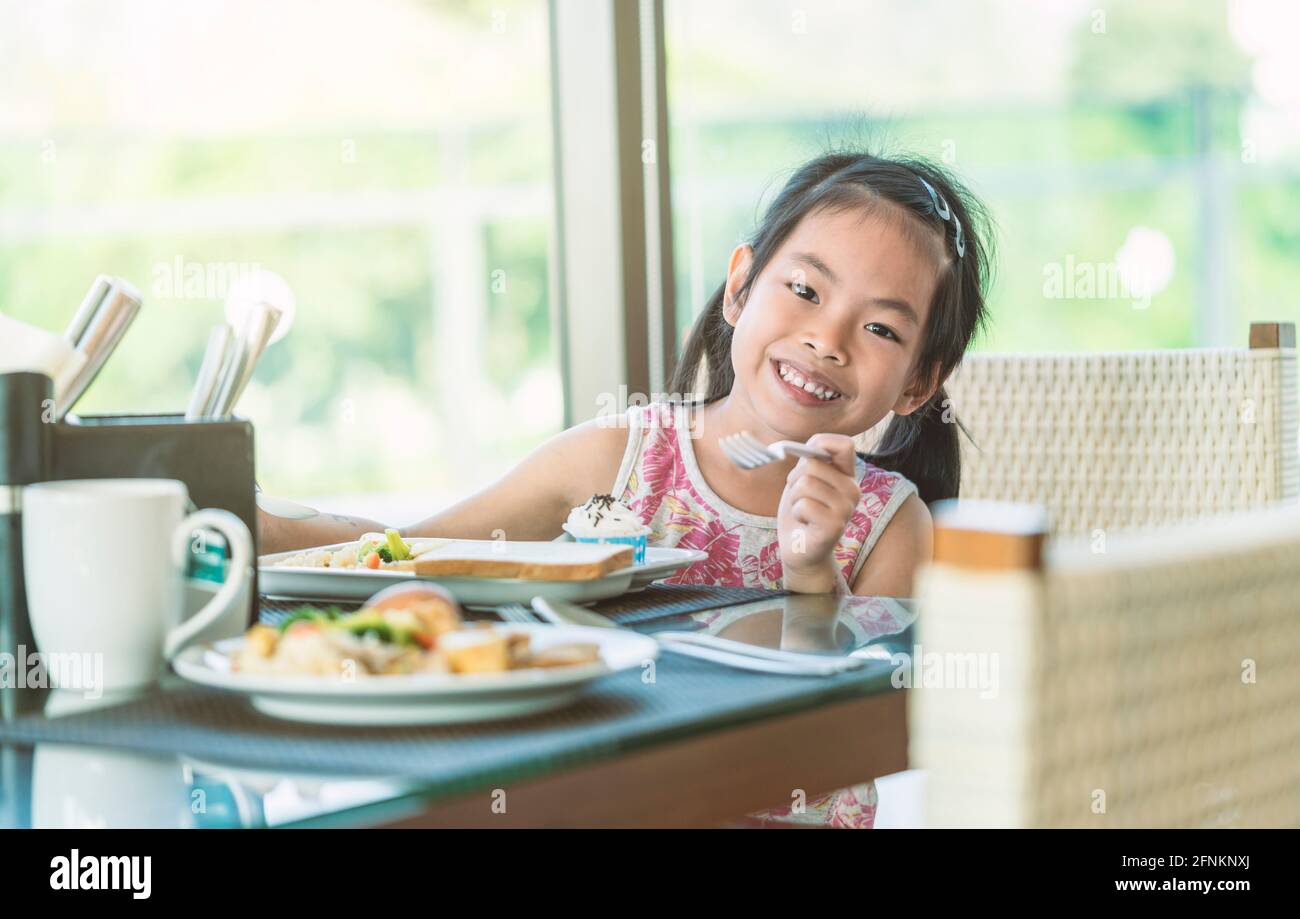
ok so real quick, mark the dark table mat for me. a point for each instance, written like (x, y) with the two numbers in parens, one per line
(657, 601)
(617, 714)
(660, 600)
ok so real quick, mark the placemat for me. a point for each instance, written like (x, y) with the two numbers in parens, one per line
(656, 601)
(680, 696)
(660, 600)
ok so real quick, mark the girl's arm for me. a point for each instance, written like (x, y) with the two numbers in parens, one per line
(534, 498)
(529, 502)
(906, 544)
(280, 534)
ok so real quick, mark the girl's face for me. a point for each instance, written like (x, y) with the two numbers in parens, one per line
(827, 337)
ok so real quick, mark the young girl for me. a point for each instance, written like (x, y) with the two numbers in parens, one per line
(856, 297)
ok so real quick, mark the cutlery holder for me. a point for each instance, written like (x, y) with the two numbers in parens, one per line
(214, 459)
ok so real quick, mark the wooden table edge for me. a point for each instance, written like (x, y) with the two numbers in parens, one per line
(703, 780)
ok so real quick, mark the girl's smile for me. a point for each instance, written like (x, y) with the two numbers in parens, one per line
(804, 385)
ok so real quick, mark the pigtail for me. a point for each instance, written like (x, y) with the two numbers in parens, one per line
(708, 349)
(924, 447)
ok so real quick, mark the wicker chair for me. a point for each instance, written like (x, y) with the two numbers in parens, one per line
(1155, 684)
(1127, 439)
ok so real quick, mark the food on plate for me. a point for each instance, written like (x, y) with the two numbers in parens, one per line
(373, 550)
(429, 603)
(570, 654)
(409, 628)
(483, 650)
(605, 519)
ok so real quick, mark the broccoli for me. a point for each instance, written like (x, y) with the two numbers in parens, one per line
(399, 550)
(381, 630)
(310, 614)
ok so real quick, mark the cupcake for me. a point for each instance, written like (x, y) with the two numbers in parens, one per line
(604, 519)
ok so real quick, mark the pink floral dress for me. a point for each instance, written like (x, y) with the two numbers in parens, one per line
(660, 480)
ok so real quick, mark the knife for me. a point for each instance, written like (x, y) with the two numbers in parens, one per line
(248, 349)
(90, 304)
(107, 324)
(214, 358)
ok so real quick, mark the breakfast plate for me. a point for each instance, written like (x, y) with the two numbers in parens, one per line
(421, 698)
(357, 584)
(663, 563)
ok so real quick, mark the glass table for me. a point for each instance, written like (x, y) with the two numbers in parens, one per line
(725, 744)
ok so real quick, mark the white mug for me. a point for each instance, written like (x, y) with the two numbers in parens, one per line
(104, 561)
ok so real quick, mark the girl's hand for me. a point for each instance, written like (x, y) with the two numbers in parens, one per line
(818, 500)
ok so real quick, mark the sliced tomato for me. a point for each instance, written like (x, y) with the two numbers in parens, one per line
(424, 638)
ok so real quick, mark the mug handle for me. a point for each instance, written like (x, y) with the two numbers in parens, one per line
(241, 555)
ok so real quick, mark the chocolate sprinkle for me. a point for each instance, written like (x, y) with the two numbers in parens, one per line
(598, 504)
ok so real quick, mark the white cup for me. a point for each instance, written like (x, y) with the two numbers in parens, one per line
(104, 561)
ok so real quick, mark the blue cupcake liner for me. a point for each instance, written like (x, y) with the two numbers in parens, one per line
(638, 544)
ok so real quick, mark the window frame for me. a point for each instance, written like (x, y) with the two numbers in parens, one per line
(612, 284)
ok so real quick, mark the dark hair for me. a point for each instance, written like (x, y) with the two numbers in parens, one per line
(922, 445)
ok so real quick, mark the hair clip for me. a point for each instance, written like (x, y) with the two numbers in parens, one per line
(936, 199)
(942, 210)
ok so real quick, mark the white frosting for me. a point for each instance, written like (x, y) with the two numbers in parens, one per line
(603, 516)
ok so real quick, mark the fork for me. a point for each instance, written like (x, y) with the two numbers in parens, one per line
(748, 452)
(516, 612)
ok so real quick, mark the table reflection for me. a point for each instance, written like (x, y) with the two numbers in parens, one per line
(73, 786)
(809, 623)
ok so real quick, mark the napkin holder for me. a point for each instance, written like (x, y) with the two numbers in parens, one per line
(213, 458)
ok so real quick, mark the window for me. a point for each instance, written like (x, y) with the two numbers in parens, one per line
(1151, 146)
(390, 160)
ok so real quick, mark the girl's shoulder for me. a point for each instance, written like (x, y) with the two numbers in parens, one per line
(585, 457)
(605, 437)
(873, 479)
(594, 451)
(655, 415)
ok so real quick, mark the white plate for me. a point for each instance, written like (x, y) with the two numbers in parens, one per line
(360, 584)
(661, 563)
(422, 698)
